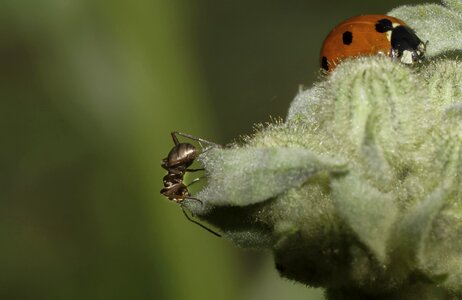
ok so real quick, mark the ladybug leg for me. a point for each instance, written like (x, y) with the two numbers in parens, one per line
(394, 54)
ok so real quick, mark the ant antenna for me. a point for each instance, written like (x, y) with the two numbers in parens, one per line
(194, 138)
(197, 223)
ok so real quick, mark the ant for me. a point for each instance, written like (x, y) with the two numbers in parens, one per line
(176, 163)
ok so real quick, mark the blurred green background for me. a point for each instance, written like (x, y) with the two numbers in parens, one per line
(90, 91)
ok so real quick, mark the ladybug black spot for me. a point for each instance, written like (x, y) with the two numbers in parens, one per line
(383, 25)
(324, 63)
(347, 37)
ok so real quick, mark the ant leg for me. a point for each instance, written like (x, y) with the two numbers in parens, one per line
(175, 139)
(194, 181)
(195, 170)
(197, 223)
(194, 138)
(192, 198)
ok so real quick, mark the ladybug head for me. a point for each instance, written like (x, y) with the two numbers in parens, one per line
(406, 45)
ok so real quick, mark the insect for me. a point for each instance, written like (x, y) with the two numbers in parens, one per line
(177, 162)
(370, 35)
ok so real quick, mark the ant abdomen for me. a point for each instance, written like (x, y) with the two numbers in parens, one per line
(181, 156)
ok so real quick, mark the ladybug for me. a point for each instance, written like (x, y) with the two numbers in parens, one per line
(370, 35)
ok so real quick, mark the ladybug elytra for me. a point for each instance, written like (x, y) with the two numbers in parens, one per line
(371, 35)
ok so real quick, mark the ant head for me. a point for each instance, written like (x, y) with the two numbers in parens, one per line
(176, 192)
(183, 191)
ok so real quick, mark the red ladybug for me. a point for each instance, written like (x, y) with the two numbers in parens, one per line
(371, 35)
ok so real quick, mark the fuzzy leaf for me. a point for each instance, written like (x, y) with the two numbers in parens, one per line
(247, 176)
(440, 252)
(369, 212)
(360, 190)
(413, 231)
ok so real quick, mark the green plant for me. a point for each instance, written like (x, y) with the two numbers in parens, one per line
(359, 191)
